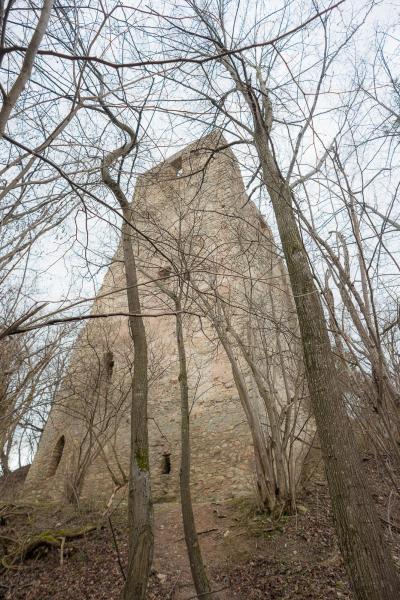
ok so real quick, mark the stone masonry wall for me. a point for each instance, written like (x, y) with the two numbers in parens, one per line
(199, 228)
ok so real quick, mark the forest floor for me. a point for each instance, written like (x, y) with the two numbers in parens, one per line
(248, 555)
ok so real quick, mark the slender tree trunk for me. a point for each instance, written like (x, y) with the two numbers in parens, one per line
(11, 98)
(262, 455)
(281, 482)
(192, 542)
(4, 463)
(367, 558)
(263, 458)
(140, 509)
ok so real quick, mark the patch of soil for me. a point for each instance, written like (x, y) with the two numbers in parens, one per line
(249, 556)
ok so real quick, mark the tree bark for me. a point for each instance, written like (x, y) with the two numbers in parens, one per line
(140, 509)
(369, 563)
(191, 538)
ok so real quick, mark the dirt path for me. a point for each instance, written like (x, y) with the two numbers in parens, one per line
(248, 555)
(219, 534)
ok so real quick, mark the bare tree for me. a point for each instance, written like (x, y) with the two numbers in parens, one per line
(268, 90)
(140, 514)
(371, 569)
(31, 367)
(11, 96)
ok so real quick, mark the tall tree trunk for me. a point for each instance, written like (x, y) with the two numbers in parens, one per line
(367, 558)
(192, 542)
(140, 509)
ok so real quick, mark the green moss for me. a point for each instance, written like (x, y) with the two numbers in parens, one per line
(165, 499)
(36, 544)
(142, 459)
(258, 522)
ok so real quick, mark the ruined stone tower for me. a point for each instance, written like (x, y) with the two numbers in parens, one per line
(196, 229)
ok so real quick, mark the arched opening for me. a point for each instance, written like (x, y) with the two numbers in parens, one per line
(166, 464)
(56, 456)
(108, 361)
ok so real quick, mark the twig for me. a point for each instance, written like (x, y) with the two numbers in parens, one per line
(390, 525)
(205, 593)
(179, 59)
(17, 330)
(121, 568)
(62, 551)
(200, 533)
(169, 595)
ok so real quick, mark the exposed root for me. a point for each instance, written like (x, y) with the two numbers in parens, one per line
(9, 510)
(19, 550)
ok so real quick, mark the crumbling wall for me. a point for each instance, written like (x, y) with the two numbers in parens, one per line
(191, 210)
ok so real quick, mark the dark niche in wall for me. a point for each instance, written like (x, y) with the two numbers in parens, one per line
(166, 464)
